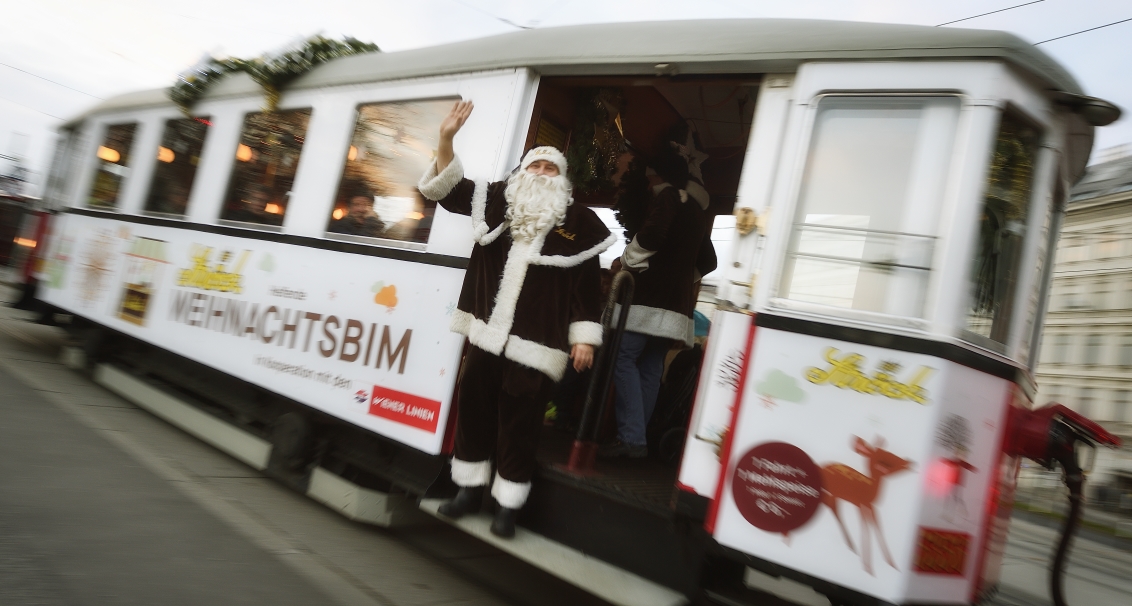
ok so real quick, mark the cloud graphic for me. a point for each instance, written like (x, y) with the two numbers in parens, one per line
(267, 263)
(777, 384)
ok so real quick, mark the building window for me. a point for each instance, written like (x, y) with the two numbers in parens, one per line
(1125, 358)
(113, 165)
(1094, 348)
(1062, 345)
(393, 145)
(868, 206)
(1121, 407)
(1085, 401)
(266, 161)
(177, 160)
(997, 264)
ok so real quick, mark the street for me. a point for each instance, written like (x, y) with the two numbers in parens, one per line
(105, 504)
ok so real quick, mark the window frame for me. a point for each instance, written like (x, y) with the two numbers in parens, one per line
(797, 184)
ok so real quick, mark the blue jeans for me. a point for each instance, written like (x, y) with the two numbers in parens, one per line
(636, 376)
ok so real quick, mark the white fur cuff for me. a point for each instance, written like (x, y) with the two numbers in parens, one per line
(466, 473)
(487, 338)
(434, 186)
(589, 333)
(461, 322)
(551, 362)
(511, 495)
(636, 256)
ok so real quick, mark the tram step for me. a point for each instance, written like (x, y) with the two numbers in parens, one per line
(604, 580)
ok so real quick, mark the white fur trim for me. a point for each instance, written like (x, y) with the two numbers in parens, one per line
(697, 191)
(636, 256)
(435, 186)
(546, 152)
(487, 338)
(659, 322)
(575, 260)
(511, 495)
(461, 322)
(551, 362)
(589, 333)
(465, 473)
(481, 232)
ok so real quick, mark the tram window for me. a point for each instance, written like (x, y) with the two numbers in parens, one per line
(266, 160)
(177, 160)
(392, 146)
(1002, 229)
(113, 165)
(868, 207)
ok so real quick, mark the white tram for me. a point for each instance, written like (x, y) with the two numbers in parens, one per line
(897, 192)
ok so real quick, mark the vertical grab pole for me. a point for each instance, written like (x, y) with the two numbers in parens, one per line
(584, 452)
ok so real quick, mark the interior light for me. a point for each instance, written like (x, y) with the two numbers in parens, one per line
(273, 208)
(105, 153)
(25, 242)
(416, 215)
(243, 153)
(164, 154)
(339, 213)
(352, 154)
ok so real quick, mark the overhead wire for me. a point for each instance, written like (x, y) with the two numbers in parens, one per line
(1085, 30)
(49, 80)
(32, 108)
(990, 13)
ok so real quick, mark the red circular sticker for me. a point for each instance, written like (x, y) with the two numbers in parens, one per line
(777, 487)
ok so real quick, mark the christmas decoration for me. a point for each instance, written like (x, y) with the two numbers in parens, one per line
(271, 72)
(596, 141)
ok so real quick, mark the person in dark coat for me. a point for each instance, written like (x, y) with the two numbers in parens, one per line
(669, 251)
(530, 303)
(360, 219)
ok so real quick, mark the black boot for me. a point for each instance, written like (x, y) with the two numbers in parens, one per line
(468, 500)
(504, 523)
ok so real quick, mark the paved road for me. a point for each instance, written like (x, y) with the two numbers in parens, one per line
(101, 503)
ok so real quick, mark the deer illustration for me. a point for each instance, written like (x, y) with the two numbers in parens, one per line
(843, 483)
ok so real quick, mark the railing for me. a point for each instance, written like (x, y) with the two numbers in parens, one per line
(584, 452)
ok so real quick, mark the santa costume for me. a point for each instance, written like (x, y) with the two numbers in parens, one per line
(532, 290)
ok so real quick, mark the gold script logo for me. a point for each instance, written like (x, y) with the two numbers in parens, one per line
(206, 276)
(844, 372)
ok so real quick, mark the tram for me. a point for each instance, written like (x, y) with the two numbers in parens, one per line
(897, 193)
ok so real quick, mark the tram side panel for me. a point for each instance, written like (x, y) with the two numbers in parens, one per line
(362, 338)
(865, 467)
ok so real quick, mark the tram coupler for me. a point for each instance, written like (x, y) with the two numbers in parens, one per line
(1050, 435)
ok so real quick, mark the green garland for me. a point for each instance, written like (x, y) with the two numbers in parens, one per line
(272, 73)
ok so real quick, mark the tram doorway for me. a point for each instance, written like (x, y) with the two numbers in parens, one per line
(593, 120)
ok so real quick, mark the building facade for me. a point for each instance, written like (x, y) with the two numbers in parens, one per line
(1086, 355)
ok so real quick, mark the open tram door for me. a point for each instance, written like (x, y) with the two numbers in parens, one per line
(856, 425)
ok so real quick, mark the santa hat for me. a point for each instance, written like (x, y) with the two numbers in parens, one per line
(548, 153)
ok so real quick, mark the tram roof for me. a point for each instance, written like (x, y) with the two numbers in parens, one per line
(730, 46)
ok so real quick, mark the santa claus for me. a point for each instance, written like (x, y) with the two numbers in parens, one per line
(530, 305)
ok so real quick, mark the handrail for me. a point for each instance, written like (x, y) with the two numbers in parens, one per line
(584, 452)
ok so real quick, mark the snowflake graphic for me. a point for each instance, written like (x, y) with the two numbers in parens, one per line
(450, 309)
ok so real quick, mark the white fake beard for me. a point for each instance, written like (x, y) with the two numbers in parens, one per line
(535, 203)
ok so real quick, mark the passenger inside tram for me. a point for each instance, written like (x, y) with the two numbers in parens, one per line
(360, 218)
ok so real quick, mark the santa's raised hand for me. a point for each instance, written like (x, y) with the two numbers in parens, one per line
(451, 125)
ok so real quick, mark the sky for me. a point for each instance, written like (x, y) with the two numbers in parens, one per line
(59, 57)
